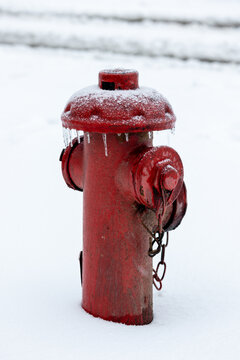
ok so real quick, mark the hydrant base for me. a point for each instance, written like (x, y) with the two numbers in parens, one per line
(143, 319)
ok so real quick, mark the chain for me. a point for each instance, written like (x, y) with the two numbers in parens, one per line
(157, 238)
(161, 266)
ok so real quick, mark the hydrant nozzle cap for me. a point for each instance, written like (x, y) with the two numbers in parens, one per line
(118, 79)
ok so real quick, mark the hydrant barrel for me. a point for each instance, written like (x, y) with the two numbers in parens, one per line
(117, 271)
(132, 192)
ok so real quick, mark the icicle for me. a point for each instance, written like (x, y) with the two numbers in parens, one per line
(150, 135)
(65, 137)
(74, 133)
(119, 134)
(88, 137)
(79, 136)
(69, 136)
(126, 135)
(104, 136)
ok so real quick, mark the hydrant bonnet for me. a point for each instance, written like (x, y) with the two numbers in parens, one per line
(118, 105)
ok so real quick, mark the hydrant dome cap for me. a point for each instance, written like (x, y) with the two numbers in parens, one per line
(118, 79)
(93, 109)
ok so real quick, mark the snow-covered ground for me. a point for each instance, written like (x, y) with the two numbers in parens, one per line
(212, 12)
(197, 313)
(150, 39)
(207, 30)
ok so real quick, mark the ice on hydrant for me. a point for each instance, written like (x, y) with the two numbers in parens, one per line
(79, 136)
(104, 136)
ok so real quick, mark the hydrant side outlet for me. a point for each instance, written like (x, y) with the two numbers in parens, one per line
(132, 192)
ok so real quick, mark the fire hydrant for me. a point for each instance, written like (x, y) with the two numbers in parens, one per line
(133, 193)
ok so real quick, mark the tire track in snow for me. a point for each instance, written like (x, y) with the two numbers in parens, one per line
(81, 47)
(140, 39)
(128, 18)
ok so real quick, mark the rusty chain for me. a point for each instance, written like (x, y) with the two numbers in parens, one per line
(157, 279)
(156, 238)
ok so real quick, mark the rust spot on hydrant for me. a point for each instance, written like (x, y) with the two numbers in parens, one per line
(128, 187)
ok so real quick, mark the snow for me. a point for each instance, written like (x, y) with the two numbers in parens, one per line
(196, 315)
(208, 30)
(212, 12)
(150, 39)
(100, 96)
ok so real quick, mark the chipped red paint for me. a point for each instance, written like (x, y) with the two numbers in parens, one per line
(121, 189)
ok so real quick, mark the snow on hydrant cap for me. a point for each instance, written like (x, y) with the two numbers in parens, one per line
(118, 105)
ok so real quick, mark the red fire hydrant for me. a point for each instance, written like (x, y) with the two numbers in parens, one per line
(133, 192)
